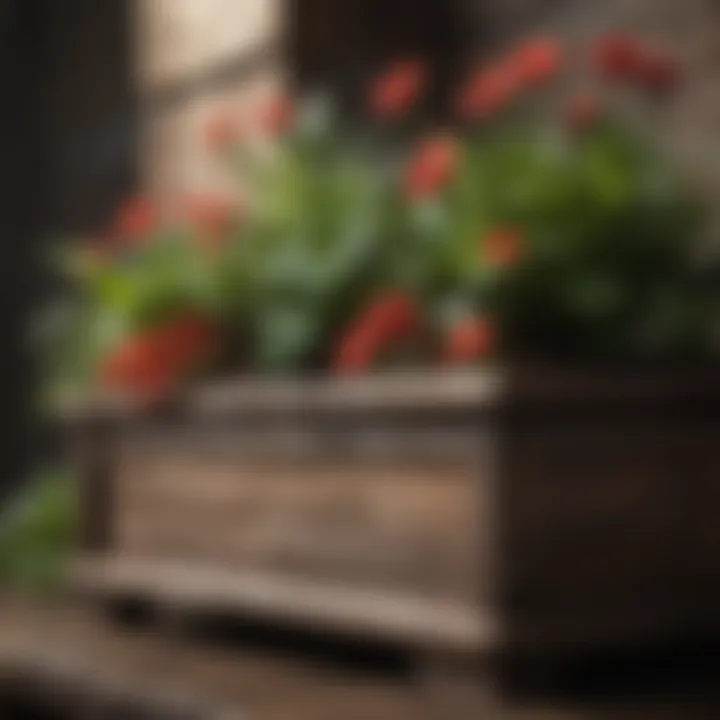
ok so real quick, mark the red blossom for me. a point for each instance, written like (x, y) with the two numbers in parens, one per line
(583, 109)
(538, 60)
(502, 247)
(468, 340)
(494, 87)
(185, 341)
(356, 352)
(489, 92)
(618, 57)
(390, 318)
(392, 315)
(137, 367)
(276, 116)
(137, 218)
(149, 364)
(431, 168)
(626, 58)
(658, 70)
(392, 94)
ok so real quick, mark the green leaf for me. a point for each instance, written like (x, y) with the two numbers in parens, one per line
(37, 533)
(286, 337)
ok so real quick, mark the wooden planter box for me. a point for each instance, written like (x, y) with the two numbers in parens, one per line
(470, 513)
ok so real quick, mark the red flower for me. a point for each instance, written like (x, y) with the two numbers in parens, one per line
(149, 364)
(356, 352)
(185, 341)
(137, 218)
(390, 318)
(618, 57)
(658, 70)
(538, 60)
(503, 247)
(137, 367)
(392, 315)
(211, 217)
(221, 132)
(276, 116)
(621, 57)
(192, 334)
(469, 340)
(488, 92)
(431, 167)
(393, 93)
(583, 110)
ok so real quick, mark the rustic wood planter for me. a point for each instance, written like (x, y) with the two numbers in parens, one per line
(469, 513)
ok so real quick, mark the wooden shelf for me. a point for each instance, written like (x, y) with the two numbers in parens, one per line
(68, 661)
(368, 613)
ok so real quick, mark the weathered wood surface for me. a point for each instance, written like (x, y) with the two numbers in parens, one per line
(66, 648)
(570, 508)
(608, 529)
(416, 391)
(371, 614)
(406, 527)
(64, 654)
(249, 396)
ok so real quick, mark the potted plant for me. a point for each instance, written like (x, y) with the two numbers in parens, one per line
(500, 336)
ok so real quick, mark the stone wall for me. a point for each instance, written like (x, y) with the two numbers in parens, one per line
(197, 58)
(191, 55)
(690, 27)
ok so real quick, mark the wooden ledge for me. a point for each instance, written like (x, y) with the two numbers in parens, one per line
(367, 613)
(391, 391)
(415, 391)
(247, 395)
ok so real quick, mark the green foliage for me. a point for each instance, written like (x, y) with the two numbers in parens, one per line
(321, 244)
(611, 236)
(37, 532)
(608, 268)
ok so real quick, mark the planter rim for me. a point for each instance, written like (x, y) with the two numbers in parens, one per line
(397, 390)
(412, 391)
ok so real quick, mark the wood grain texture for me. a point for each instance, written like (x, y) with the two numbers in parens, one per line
(420, 393)
(93, 445)
(65, 647)
(391, 526)
(608, 532)
(572, 508)
(367, 613)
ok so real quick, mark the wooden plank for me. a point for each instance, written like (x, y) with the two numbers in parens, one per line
(587, 518)
(67, 647)
(360, 443)
(416, 391)
(560, 510)
(394, 526)
(368, 613)
(590, 507)
(93, 453)
(40, 640)
(411, 391)
(601, 543)
(90, 692)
